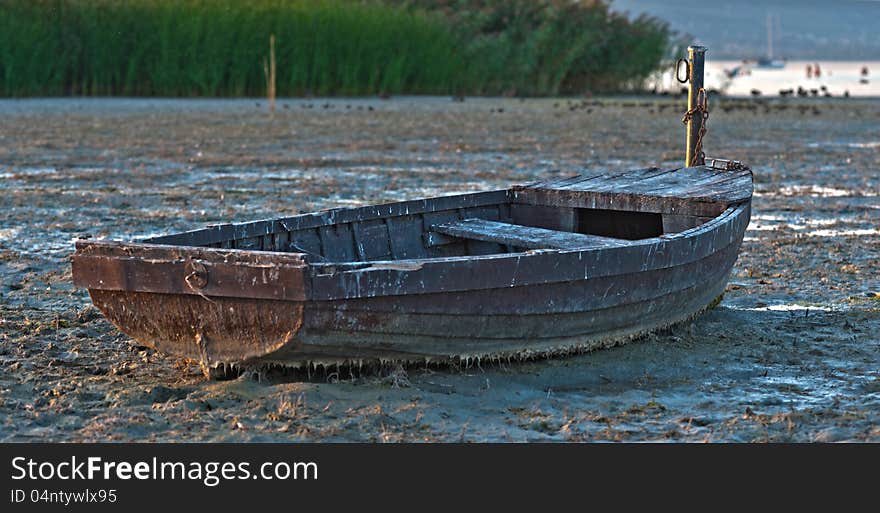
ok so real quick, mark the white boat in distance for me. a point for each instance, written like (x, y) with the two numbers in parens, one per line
(767, 62)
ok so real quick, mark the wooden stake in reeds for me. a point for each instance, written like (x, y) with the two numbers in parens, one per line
(269, 71)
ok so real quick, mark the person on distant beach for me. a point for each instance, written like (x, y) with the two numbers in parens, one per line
(809, 71)
(816, 70)
(864, 71)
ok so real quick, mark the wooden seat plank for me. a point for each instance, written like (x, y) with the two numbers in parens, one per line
(521, 236)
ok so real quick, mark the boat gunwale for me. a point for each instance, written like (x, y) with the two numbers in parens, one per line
(222, 232)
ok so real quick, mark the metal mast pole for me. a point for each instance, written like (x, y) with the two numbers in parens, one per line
(696, 107)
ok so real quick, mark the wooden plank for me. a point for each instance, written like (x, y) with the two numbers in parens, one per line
(250, 243)
(478, 335)
(672, 184)
(196, 271)
(337, 243)
(697, 183)
(504, 214)
(523, 236)
(573, 183)
(358, 241)
(552, 218)
(508, 324)
(675, 223)
(563, 182)
(735, 189)
(305, 241)
(690, 191)
(559, 297)
(433, 239)
(594, 180)
(372, 237)
(405, 234)
(613, 181)
(161, 251)
(281, 241)
(725, 181)
(439, 245)
(220, 232)
(482, 247)
(617, 201)
(490, 212)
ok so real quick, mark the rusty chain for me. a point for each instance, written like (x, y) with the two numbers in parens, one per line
(701, 107)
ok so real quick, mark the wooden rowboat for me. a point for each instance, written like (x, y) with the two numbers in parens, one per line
(539, 269)
(569, 265)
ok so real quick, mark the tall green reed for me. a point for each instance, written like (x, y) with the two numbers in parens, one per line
(216, 48)
(324, 47)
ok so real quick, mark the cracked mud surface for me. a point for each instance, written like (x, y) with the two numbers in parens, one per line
(791, 354)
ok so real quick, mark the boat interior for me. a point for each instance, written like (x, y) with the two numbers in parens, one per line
(604, 210)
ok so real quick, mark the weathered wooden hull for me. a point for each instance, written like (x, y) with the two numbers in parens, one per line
(227, 306)
(416, 337)
(291, 332)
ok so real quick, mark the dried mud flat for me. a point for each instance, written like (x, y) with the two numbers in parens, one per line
(791, 354)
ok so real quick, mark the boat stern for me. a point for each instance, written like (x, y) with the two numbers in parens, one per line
(212, 305)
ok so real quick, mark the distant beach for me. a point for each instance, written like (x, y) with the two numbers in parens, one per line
(836, 77)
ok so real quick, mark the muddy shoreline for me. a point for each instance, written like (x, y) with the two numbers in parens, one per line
(790, 354)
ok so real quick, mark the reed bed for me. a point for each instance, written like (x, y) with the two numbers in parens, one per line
(322, 47)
